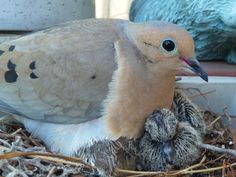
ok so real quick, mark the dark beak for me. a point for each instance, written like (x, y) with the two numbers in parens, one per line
(195, 66)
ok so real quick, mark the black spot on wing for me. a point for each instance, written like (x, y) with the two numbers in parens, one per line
(93, 77)
(11, 66)
(11, 76)
(33, 76)
(32, 65)
(1, 52)
(11, 48)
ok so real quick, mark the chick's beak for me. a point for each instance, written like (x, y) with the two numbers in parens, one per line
(194, 65)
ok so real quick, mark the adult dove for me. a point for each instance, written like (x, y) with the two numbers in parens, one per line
(89, 80)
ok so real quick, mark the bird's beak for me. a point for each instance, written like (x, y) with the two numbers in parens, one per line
(194, 65)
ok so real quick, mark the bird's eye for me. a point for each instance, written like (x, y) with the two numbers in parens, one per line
(168, 45)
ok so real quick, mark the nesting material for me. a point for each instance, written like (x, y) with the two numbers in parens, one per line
(217, 155)
(23, 155)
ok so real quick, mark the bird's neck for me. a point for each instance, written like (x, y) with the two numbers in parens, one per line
(137, 93)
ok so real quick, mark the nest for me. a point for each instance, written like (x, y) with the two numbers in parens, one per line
(22, 155)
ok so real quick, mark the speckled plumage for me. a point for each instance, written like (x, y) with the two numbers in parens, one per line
(179, 149)
(212, 23)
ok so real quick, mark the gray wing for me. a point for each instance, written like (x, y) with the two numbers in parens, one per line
(61, 74)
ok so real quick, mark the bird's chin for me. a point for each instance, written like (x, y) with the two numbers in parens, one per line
(184, 71)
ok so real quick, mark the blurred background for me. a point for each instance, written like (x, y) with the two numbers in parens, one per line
(113, 8)
(17, 17)
(27, 15)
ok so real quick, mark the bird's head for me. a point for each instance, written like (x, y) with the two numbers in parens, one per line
(166, 45)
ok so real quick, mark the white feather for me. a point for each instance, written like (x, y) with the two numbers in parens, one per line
(67, 138)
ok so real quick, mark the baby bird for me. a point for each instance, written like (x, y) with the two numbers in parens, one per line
(171, 136)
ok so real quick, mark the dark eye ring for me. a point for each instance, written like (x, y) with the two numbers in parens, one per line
(168, 45)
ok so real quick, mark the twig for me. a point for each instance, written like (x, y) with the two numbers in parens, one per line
(131, 172)
(223, 169)
(232, 171)
(5, 143)
(227, 114)
(56, 160)
(148, 173)
(199, 92)
(182, 172)
(202, 94)
(217, 149)
(212, 161)
(52, 171)
(214, 121)
(35, 142)
(191, 167)
(40, 155)
(17, 131)
(209, 169)
(9, 136)
(3, 148)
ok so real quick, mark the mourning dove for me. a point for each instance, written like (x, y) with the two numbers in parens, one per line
(89, 80)
(171, 138)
